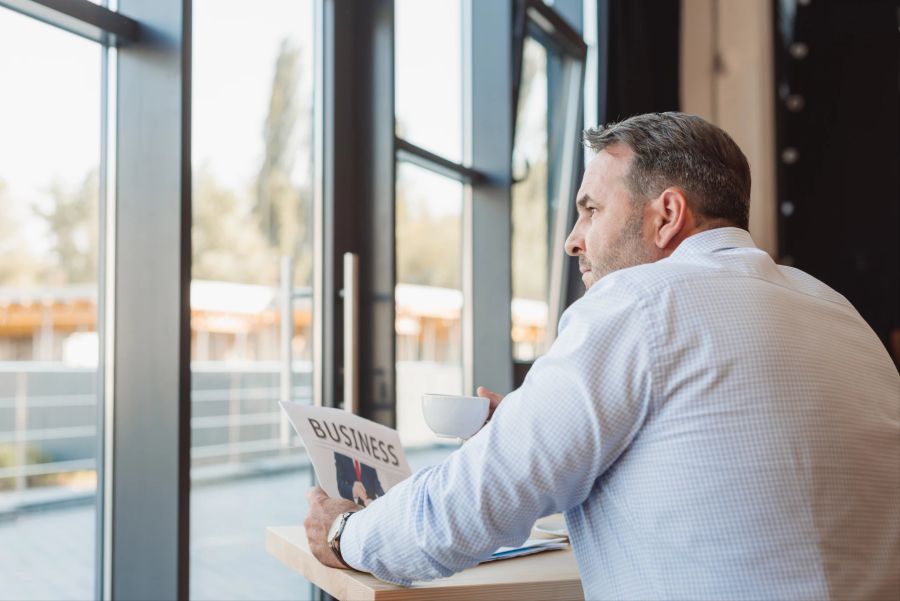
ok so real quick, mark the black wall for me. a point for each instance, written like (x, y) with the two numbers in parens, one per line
(838, 116)
(643, 67)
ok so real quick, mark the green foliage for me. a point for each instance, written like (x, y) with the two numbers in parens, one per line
(530, 224)
(33, 456)
(428, 247)
(282, 207)
(71, 255)
(227, 241)
(74, 224)
(530, 235)
(239, 238)
(277, 199)
(19, 267)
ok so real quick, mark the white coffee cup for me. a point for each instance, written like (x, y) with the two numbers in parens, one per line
(455, 416)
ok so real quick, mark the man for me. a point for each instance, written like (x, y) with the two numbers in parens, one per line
(713, 425)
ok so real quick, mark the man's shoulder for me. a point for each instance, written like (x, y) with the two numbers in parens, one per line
(810, 285)
(653, 279)
(646, 278)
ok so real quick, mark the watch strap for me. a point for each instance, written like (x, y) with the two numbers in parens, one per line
(335, 543)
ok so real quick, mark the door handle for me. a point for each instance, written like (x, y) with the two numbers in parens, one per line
(351, 332)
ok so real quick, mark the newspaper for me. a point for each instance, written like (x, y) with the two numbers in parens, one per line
(359, 460)
(354, 458)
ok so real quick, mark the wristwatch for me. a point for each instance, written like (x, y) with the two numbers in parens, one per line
(334, 535)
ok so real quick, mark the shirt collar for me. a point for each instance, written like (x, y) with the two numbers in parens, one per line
(720, 238)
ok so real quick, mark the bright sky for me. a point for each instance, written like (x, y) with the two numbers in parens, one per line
(50, 110)
(50, 105)
(51, 127)
(235, 48)
(428, 74)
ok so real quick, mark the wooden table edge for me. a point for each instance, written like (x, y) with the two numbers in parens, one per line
(349, 585)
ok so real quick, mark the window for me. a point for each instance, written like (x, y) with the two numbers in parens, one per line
(429, 208)
(252, 161)
(545, 164)
(50, 369)
(101, 324)
(429, 299)
(428, 75)
(531, 207)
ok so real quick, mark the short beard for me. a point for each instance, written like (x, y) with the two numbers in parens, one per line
(627, 251)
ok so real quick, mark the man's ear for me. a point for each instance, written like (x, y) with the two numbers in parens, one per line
(671, 215)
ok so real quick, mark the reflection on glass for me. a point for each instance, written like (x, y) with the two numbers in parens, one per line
(531, 207)
(428, 296)
(49, 356)
(428, 74)
(253, 188)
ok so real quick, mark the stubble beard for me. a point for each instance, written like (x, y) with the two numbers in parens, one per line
(626, 251)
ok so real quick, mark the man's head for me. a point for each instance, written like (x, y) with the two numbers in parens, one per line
(656, 179)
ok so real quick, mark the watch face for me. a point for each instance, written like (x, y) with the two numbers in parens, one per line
(335, 527)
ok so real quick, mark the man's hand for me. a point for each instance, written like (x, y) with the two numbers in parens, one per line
(493, 396)
(322, 512)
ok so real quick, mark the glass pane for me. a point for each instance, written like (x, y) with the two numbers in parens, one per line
(253, 193)
(429, 296)
(428, 74)
(50, 119)
(531, 207)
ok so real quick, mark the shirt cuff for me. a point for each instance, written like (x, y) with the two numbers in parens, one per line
(351, 547)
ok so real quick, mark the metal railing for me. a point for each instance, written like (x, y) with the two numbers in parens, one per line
(48, 417)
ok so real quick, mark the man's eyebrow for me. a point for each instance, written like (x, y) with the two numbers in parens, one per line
(582, 201)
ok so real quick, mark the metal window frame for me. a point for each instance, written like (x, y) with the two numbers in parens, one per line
(144, 495)
(358, 150)
(106, 319)
(144, 307)
(486, 175)
(83, 18)
(488, 113)
(489, 124)
(148, 486)
(552, 29)
(416, 155)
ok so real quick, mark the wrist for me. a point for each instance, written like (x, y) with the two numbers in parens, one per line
(336, 535)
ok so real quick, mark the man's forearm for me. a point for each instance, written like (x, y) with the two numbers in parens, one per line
(385, 539)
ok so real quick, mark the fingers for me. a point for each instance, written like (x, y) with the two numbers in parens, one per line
(316, 495)
(492, 396)
(489, 394)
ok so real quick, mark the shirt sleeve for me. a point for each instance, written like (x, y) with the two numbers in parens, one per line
(542, 452)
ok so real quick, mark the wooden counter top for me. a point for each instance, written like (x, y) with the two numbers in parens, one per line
(547, 575)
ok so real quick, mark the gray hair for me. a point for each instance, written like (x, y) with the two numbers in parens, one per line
(675, 149)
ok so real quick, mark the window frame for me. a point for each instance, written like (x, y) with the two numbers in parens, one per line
(144, 198)
(145, 223)
(534, 18)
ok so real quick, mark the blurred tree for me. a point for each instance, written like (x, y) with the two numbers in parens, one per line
(73, 223)
(239, 238)
(530, 234)
(428, 246)
(530, 203)
(281, 205)
(19, 267)
(227, 240)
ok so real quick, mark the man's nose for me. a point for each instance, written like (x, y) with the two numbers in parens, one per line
(574, 243)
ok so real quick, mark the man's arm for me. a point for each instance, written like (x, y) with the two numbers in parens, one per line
(542, 452)
(322, 511)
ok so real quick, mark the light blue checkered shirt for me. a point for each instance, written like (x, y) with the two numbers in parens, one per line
(713, 425)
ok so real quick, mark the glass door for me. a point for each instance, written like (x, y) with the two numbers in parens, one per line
(50, 291)
(251, 289)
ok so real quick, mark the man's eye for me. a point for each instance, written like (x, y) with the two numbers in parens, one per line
(593, 210)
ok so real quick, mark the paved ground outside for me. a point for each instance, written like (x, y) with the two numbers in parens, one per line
(50, 554)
